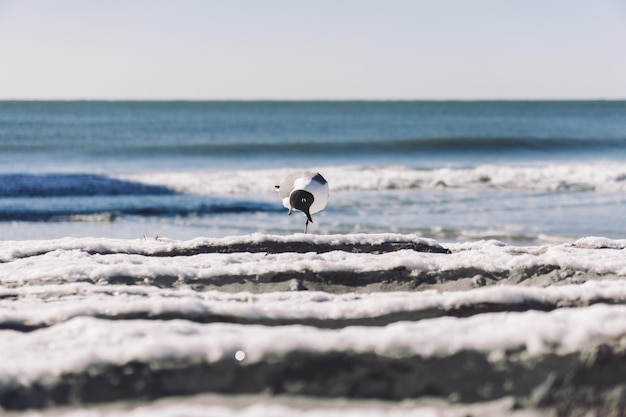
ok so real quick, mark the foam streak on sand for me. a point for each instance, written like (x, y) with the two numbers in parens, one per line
(319, 309)
(388, 316)
(98, 342)
(468, 265)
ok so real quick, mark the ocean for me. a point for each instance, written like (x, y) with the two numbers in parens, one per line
(519, 172)
(463, 263)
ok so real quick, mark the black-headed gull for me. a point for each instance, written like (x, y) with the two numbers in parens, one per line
(306, 191)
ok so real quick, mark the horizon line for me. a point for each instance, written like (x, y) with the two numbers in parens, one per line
(121, 99)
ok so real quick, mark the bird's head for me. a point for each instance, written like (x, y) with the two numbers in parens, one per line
(302, 200)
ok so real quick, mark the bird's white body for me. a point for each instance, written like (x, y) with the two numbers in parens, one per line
(304, 181)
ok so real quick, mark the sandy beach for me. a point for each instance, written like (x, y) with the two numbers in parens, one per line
(93, 323)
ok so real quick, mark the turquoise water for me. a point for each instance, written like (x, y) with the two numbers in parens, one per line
(88, 168)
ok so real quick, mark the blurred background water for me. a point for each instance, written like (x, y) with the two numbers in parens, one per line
(520, 172)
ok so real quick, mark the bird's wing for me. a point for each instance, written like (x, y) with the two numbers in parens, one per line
(287, 185)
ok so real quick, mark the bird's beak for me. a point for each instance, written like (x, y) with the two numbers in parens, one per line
(308, 216)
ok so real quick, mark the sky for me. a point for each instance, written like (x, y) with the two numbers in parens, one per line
(311, 50)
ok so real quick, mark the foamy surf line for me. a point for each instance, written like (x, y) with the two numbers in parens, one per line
(378, 316)
(88, 360)
(254, 405)
(310, 308)
(331, 263)
(604, 177)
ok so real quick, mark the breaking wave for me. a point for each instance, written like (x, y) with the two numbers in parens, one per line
(548, 178)
(86, 197)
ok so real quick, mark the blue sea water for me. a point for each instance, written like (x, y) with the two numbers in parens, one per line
(521, 172)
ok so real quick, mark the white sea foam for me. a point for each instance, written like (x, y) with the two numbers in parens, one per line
(70, 260)
(52, 304)
(264, 406)
(609, 177)
(81, 342)
(64, 284)
(9, 250)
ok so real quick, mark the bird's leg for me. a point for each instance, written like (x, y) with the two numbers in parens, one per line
(306, 226)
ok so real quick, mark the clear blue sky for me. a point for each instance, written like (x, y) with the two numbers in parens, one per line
(323, 49)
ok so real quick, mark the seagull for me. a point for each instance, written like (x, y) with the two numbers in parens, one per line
(306, 191)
